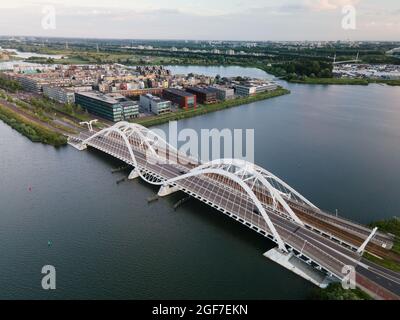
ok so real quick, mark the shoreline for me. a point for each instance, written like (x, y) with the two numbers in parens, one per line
(341, 81)
(37, 132)
(204, 109)
(391, 226)
(263, 67)
(31, 129)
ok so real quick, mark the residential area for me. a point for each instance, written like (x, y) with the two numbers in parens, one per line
(115, 92)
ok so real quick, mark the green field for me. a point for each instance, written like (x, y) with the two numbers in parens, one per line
(389, 226)
(76, 57)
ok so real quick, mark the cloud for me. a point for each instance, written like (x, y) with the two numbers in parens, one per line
(205, 19)
(326, 5)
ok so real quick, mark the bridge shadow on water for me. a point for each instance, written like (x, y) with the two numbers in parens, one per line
(196, 209)
(193, 251)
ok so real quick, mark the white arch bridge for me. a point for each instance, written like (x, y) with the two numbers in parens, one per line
(248, 194)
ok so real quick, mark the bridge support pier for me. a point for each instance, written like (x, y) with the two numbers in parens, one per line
(167, 190)
(133, 175)
(77, 145)
(82, 147)
(299, 267)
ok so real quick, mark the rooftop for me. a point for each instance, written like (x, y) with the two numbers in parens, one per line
(154, 98)
(179, 92)
(255, 84)
(201, 90)
(112, 98)
(216, 88)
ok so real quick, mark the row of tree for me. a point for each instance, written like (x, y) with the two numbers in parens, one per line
(302, 68)
(10, 85)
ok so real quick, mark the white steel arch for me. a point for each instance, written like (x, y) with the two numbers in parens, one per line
(256, 176)
(146, 136)
(152, 141)
(258, 183)
(292, 192)
(246, 188)
(251, 174)
(122, 129)
(289, 192)
(106, 132)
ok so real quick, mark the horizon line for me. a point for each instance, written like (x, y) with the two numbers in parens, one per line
(192, 40)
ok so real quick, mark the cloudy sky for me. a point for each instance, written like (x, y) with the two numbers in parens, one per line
(202, 19)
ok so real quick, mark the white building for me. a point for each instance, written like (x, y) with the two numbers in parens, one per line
(252, 89)
(154, 104)
(63, 94)
(223, 93)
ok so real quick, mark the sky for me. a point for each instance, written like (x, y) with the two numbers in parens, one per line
(258, 20)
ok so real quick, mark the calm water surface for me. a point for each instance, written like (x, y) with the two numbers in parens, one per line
(338, 145)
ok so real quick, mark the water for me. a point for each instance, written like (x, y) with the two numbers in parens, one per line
(339, 146)
(233, 71)
(26, 55)
(9, 65)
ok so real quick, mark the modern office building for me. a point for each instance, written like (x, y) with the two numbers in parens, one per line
(182, 98)
(28, 83)
(155, 104)
(203, 95)
(252, 89)
(63, 94)
(113, 107)
(223, 93)
(35, 81)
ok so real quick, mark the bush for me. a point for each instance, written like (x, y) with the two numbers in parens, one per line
(31, 130)
(336, 292)
(10, 85)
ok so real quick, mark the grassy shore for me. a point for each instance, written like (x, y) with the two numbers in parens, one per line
(335, 291)
(385, 262)
(344, 81)
(202, 109)
(388, 82)
(339, 81)
(31, 130)
(389, 226)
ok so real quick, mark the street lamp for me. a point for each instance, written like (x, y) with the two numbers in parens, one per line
(89, 124)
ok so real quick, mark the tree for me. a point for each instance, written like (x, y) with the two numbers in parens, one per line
(68, 108)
